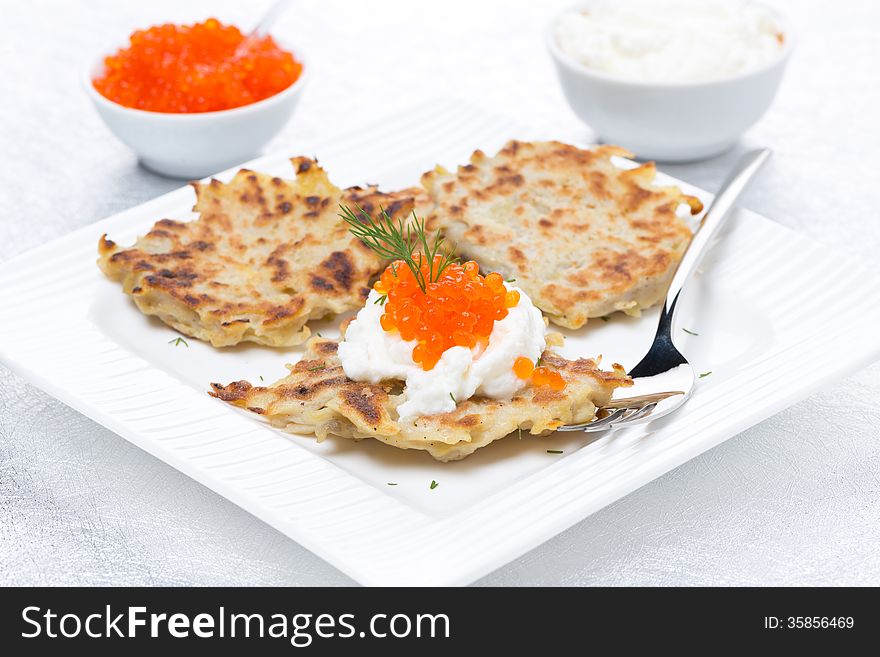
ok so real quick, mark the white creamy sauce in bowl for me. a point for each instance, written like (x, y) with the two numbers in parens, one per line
(670, 40)
(370, 353)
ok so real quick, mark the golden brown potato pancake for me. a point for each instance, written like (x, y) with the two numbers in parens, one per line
(318, 398)
(264, 257)
(581, 236)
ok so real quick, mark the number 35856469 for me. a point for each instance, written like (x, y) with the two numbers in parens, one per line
(809, 622)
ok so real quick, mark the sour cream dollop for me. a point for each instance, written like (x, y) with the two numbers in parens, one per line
(369, 353)
(670, 40)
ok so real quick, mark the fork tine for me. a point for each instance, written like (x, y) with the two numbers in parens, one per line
(619, 418)
(596, 425)
(641, 400)
(622, 411)
(642, 412)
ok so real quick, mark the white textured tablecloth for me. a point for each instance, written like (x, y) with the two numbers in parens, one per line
(794, 500)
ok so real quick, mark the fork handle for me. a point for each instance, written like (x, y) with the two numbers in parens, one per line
(713, 219)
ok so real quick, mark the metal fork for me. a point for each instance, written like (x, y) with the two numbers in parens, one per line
(664, 380)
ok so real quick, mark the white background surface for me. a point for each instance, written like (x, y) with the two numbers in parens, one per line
(795, 500)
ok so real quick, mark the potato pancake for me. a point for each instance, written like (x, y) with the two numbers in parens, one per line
(265, 256)
(318, 398)
(581, 236)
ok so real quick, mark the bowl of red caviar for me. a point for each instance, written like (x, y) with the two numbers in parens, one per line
(192, 100)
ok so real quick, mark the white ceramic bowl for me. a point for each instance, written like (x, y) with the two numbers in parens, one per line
(675, 122)
(197, 145)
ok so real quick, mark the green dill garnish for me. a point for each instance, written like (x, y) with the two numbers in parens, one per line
(689, 332)
(704, 374)
(510, 280)
(519, 431)
(398, 241)
(392, 483)
(605, 318)
(261, 377)
(319, 334)
(538, 362)
(452, 397)
(381, 300)
(554, 451)
(434, 484)
(179, 341)
(317, 367)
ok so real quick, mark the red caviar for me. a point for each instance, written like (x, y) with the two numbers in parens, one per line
(523, 368)
(193, 68)
(460, 308)
(539, 376)
(544, 376)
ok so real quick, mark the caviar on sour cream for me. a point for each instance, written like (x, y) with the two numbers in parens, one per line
(371, 354)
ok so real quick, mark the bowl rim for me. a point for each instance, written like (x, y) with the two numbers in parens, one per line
(97, 97)
(571, 63)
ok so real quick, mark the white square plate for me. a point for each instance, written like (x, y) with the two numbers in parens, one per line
(777, 317)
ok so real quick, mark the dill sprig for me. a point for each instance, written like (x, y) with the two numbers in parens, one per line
(398, 240)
